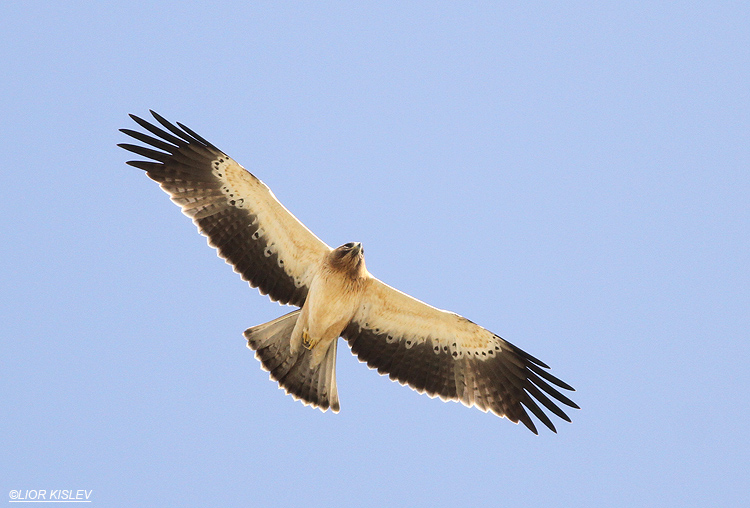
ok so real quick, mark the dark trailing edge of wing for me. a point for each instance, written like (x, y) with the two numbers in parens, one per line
(496, 384)
(181, 162)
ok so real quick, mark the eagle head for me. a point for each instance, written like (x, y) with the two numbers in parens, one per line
(350, 257)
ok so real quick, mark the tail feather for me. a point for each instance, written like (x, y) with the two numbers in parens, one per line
(311, 385)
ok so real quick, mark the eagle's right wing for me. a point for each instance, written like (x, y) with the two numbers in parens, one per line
(239, 214)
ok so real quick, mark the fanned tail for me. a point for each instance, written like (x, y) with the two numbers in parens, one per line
(311, 385)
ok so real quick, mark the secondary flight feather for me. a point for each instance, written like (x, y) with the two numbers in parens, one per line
(433, 351)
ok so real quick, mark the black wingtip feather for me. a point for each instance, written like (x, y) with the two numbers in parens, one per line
(523, 354)
(541, 397)
(541, 415)
(144, 165)
(196, 136)
(156, 143)
(174, 130)
(549, 377)
(551, 391)
(146, 152)
(526, 420)
(153, 129)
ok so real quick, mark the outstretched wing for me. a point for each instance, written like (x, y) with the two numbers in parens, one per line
(239, 214)
(443, 354)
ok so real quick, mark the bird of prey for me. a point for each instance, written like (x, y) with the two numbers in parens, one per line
(433, 351)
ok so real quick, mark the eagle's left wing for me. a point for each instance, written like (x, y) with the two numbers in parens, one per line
(446, 355)
(239, 214)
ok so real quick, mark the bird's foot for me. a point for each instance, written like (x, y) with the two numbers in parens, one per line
(308, 342)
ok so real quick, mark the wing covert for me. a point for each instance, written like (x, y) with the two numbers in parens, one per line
(445, 355)
(267, 245)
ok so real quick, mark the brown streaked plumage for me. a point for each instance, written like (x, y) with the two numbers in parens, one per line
(433, 351)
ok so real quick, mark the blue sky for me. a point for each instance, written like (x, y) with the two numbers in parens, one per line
(574, 177)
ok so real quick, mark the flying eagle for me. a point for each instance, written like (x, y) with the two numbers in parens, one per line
(433, 351)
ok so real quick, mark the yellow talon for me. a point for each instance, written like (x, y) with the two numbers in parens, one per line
(306, 341)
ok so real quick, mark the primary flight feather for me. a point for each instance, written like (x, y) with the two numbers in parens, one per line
(431, 350)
